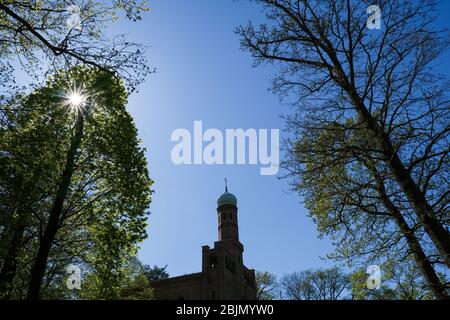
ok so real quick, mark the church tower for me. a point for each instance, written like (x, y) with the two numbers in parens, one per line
(223, 275)
(227, 216)
(223, 265)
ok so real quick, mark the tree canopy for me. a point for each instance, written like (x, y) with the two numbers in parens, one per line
(42, 36)
(369, 137)
(82, 181)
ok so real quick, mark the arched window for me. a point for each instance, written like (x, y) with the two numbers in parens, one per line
(213, 261)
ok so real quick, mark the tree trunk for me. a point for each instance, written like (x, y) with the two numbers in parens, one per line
(9, 267)
(429, 274)
(416, 198)
(436, 231)
(39, 267)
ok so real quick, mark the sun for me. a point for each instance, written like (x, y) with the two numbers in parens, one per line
(76, 99)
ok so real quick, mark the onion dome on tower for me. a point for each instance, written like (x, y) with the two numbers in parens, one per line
(227, 197)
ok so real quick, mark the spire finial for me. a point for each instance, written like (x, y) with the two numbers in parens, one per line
(226, 185)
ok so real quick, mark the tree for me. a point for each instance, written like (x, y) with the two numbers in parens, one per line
(65, 33)
(321, 284)
(266, 285)
(398, 282)
(27, 178)
(155, 273)
(377, 99)
(350, 200)
(138, 289)
(92, 207)
(133, 286)
(360, 290)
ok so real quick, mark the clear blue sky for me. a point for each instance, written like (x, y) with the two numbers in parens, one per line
(202, 75)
